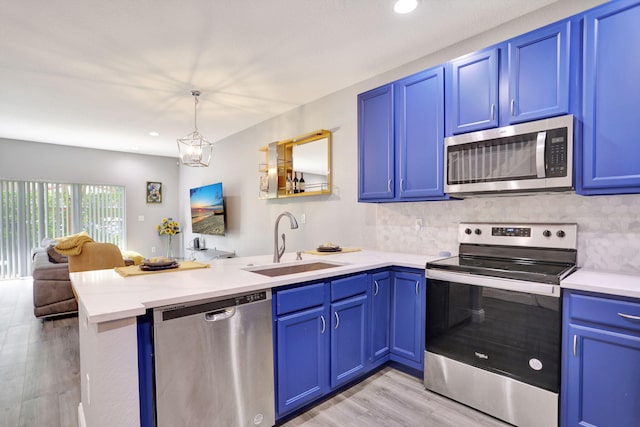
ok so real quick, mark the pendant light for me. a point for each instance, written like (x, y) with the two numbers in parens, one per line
(195, 149)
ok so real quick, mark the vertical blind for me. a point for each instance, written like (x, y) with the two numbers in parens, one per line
(31, 211)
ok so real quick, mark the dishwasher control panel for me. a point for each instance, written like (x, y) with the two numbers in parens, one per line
(246, 299)
(182, 310)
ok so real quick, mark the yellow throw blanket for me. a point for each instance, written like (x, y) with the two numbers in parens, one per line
(72, 245)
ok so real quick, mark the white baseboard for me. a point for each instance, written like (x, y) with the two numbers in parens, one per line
(81, 421)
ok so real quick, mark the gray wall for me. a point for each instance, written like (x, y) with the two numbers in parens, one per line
(32, 161)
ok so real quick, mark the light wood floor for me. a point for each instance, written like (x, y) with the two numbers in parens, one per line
(39, 363)
(40, 382)
(391, 398)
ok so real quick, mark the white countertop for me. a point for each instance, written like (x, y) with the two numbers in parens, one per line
(107, 296)
(604, 282)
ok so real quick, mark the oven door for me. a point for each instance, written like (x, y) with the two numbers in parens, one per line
(511, 330)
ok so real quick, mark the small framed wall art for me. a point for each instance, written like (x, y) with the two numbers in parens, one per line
(154, 192)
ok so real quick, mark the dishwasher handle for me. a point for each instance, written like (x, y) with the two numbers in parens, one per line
(217, 315)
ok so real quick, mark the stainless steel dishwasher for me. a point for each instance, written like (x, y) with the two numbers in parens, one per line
(214, 363)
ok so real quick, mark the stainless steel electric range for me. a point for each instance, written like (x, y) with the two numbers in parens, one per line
(493, 319)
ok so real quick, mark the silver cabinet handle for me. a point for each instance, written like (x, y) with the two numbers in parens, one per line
(417, 288)
(375, 293)
(513, 107)
(493, 111)
(389, 185)
(575, 344)
(401, 184)
(337, 320)
(324, 325)
(629, 316)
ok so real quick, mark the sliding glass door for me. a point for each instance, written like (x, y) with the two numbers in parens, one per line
(31, 211)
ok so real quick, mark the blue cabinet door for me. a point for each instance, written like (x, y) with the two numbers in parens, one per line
(380, 315)
(349, 328)
(538, 74)
(472, 99)
(608, 162)
(420, 135)
(602, 378)
(376, 144)
(302, 358)
(407, 318)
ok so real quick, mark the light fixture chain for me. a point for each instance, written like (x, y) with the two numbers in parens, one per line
(195, 112)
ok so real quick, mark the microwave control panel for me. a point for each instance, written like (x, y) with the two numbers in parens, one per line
(556, 153)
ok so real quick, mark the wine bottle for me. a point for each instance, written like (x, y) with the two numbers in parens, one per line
(295, 182)
(288, 184)
(301, 183)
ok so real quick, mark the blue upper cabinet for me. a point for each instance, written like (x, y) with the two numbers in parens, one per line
(609, 160)
(401, 139)
(526, 78)
(420, 135)
(538, 74)
(376, 144)
(472, 100)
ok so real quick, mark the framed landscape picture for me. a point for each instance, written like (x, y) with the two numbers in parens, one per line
(154, 192)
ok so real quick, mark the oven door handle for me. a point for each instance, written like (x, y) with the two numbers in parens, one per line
(495, 282)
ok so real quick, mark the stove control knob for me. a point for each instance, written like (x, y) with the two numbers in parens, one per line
(546, 233)
(560, 234)
(467, 231)
(478, 231)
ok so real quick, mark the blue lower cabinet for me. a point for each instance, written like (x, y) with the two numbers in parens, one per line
(330, 334)
(302, 358)
(349, 356)
(601, 362)
(407, 318)
(380, 315)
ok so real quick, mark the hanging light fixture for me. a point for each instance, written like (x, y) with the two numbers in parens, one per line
(195, 149)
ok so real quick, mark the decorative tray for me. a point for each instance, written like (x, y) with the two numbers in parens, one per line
(155, 264)
(328, 247)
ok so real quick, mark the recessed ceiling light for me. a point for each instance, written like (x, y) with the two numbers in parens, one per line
(154, 134)
(405, 6)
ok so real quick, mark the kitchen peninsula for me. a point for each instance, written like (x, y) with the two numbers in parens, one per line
(109, 306)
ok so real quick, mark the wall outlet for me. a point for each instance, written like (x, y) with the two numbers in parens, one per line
(303, 218)
(419, 224)
(140, 218)
(153, 249)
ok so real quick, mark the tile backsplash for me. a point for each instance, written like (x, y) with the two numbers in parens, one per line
(608, 226)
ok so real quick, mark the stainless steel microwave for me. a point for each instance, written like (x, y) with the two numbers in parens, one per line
(532, 156)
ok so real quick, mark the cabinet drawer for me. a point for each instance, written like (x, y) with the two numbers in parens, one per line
(605, 311)
(349, 286)
(295, 299)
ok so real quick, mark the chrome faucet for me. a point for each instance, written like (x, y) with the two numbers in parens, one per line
(277, 252)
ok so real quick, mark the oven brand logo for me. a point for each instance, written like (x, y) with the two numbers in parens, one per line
(481, 356)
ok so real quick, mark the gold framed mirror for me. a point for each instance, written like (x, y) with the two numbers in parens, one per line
(297, 167)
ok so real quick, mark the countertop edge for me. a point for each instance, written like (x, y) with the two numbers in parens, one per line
(607, 283)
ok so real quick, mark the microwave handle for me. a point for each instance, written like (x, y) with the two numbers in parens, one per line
(540, 149)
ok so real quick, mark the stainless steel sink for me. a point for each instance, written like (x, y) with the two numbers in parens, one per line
(283, 270)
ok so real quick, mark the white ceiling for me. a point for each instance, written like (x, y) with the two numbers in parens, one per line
(103, 74)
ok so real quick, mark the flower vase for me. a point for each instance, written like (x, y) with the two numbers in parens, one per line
(170, 247)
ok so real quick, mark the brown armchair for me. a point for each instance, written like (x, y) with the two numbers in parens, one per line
(96, 256)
